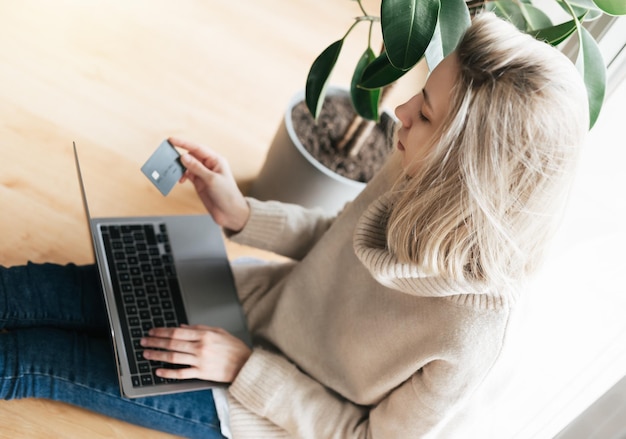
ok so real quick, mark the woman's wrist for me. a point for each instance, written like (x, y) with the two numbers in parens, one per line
(240, 217)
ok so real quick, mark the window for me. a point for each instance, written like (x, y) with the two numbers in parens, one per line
(575, 349)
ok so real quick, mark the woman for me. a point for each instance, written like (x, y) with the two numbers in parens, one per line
(392, 319)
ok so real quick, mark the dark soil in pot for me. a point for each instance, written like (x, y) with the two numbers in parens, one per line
(321, 139)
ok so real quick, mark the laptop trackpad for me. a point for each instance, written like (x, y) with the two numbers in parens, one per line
(210, 298)
(205, 276)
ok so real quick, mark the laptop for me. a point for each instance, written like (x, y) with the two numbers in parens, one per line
(161, 271)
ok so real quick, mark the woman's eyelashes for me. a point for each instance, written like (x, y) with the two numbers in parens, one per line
(422, 117)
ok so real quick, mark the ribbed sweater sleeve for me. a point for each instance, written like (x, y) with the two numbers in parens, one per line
(286, 229)
(273, 388)
(270, 388)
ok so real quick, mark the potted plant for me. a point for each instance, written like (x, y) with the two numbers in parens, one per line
(412, 31)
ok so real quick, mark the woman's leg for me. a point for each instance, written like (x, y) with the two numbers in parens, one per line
(61, 296)
(58, 347)
(79, 369)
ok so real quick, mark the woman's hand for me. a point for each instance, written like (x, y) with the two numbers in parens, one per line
(212, 354)
(211, 176)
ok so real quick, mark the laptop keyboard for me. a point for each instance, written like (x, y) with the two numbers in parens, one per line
(147, 293)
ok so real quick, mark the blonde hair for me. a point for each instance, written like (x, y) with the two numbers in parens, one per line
(485, 199)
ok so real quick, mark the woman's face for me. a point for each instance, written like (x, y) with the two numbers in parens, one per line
(422, 115)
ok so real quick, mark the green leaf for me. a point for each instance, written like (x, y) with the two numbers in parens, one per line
(509, 11)
(593, 14)
(583, 4)
(585, 8)
(434, 51)
(591, 65)
(535, 17)
(365, 101)
(612, 7)
(407, 26)
(454, 19)
(380, 73)
(316, 81)
(579, 7)
(555, 35)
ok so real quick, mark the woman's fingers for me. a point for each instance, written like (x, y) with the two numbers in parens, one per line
(185, 333)
(202, 163)
(195, 167)
(172, 341)
(171, 357)
(205, 328)
(184, 373)
(172, 345)
(168, 344)
(212, 353)
(203, 153)
(187, 145)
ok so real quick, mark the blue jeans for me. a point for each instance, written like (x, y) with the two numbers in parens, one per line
(57, 347)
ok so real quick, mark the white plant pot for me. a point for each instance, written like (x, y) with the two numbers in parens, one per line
(292, 175)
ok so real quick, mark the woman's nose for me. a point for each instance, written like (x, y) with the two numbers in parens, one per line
(402, 114)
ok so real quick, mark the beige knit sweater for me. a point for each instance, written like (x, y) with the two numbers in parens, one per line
(350, 343)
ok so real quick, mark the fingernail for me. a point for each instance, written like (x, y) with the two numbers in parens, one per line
(185, 158)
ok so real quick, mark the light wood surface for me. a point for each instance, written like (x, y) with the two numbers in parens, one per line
(118, 77)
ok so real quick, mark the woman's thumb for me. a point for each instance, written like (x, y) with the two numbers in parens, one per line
(194, 166)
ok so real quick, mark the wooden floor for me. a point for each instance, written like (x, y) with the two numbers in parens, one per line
(117, 77)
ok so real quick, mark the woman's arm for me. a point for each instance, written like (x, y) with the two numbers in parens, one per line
(273, 388)
(267, 385)
(287, 229)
